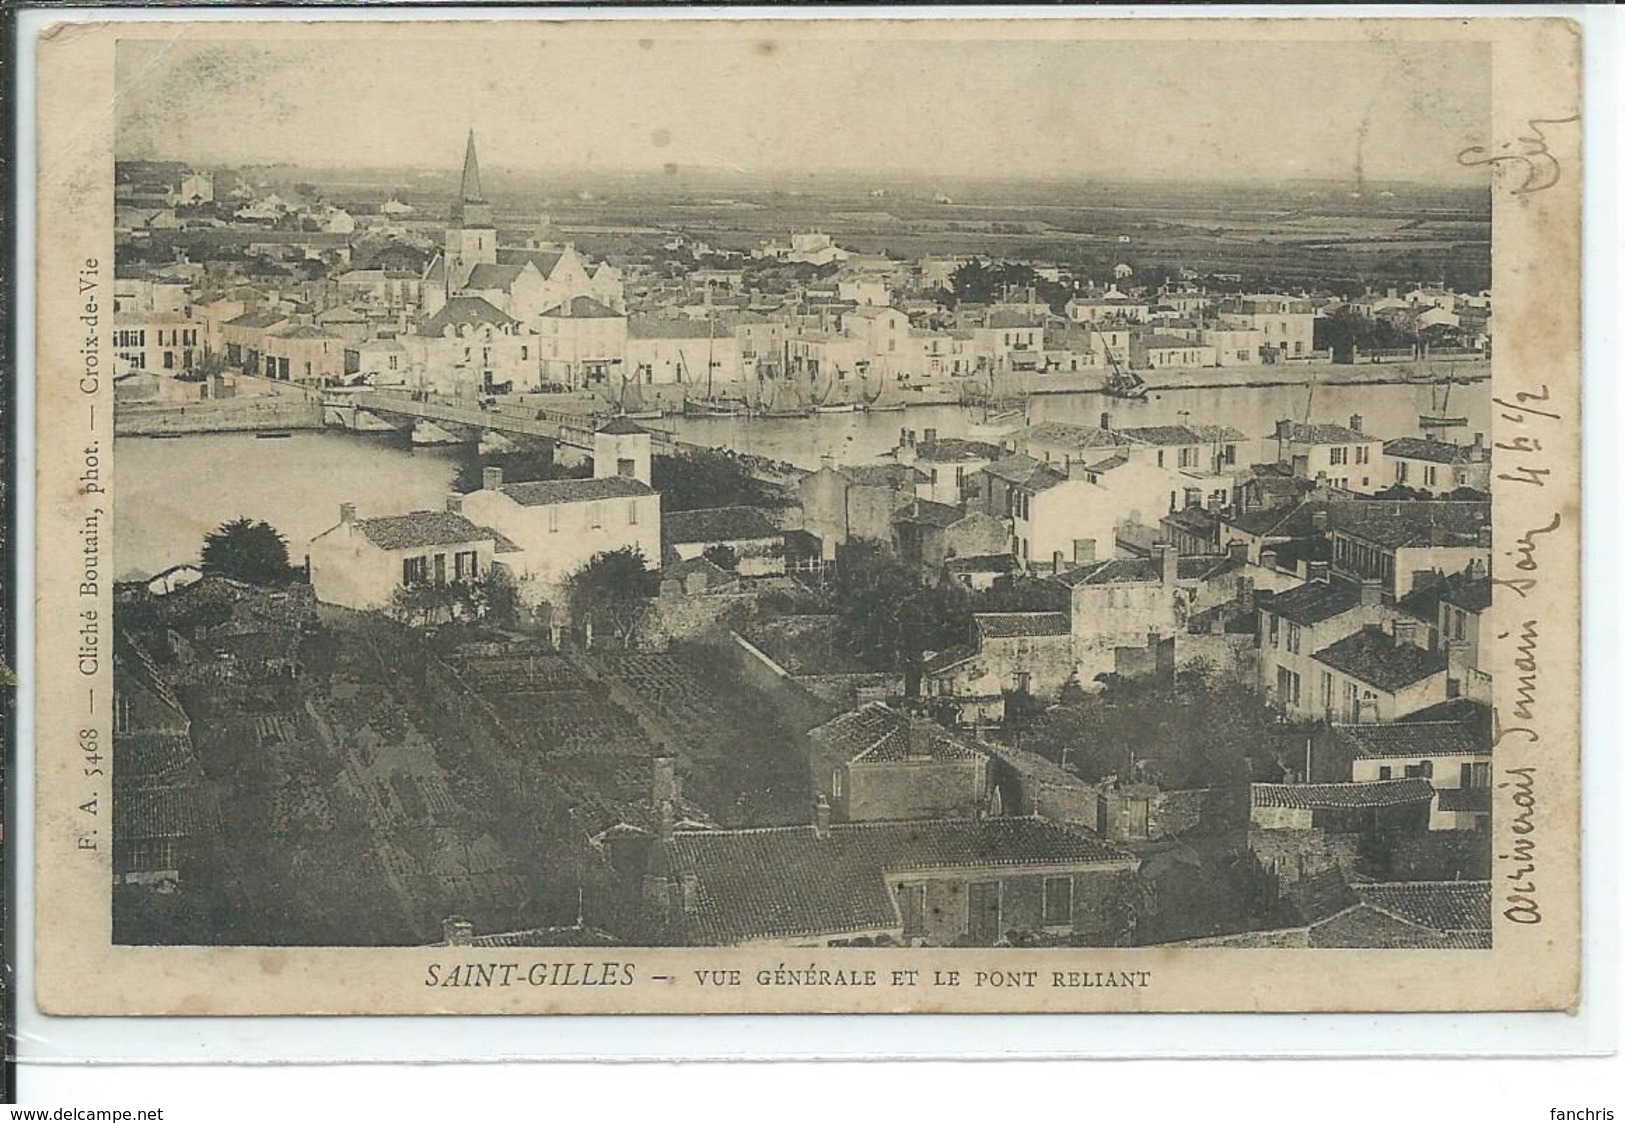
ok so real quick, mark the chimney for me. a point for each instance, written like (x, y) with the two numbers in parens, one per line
(1482, 537)
(1167, 561)
(1357, 423)
(1320, 571)
(1237, 550)
(456, 932)
(491, 479)
(346, 513)
(454, 504)
(1318, 521)
(1083, 551)
(668, 821)
(689, 887)
(930, 436)
(1405, 632)
(1105, 421)
(821, 818)
(921, 730)
(1266, 558)
(1478, 446)
(1283, 430)
(664, 787)
(1370, 593)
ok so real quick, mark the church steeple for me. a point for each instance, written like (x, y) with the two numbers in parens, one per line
(470, 210)
(471, 236)
(471, 173)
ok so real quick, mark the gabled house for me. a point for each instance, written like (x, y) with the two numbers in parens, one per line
(1296, 623)
(1407, 543)
(928, 535)
(1027, 653)
(1437, 466)
(1379, 674)
(757, 545)
(1345, 455)
(360, 562)
(881, 763)
(560, 525)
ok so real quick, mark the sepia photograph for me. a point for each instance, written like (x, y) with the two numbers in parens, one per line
(795, 488)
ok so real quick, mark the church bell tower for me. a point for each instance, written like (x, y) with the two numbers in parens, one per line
(471, 238)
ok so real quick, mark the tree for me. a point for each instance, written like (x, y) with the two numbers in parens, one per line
(517, 467)
(1197, 731)
(704, 478)
(722, 556)
(246, 550)
(891, 619)
(501, 596)
(612, 589)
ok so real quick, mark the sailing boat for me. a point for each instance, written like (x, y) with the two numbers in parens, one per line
(1122, 382)
(631, 402)
(1440, 418)
(710, 406)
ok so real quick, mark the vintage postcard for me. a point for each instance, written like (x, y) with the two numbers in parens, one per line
(819, 515)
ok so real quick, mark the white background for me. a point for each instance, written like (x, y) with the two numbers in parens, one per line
(1425, 1085)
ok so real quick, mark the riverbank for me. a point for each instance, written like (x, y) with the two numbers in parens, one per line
(1264, 376)
(224, 415)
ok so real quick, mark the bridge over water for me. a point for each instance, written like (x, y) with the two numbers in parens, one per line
(398, 409)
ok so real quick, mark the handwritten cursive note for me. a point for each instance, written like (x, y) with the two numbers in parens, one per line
(1527, 154)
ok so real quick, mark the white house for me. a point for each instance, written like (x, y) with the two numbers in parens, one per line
(560, 525)
(359, 563)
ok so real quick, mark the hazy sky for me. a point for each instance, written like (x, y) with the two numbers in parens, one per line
(541, 98)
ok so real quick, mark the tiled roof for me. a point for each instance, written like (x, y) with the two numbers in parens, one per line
(1335, 797)
(488, 276)
(1148, 570)
(981, 563)
(929, 513)
(1471, 595)
(681, 569)
(1443, 906)
(1167, 342)
(893, 477)
(1412, 739)
(1024, 471)
(170, 812)
(1475, 800)
(717, 524)
(256, 320)
(465, 310)
(582, 308)
(1373, 657)
(545, 493)
(421, 528)
(303, 331)
(1413, 522)
(876, 733)
(1011, 625)
(953, 449)
(784, 882)
(949, 658)
(1080, 437)
(544, 260)
(1363, 925)
(1108, 464)
(571, 936)
(1314, 601)
(1423, 448)
(1321, 434)
(151, 754)
(621, 426)
(656, 327)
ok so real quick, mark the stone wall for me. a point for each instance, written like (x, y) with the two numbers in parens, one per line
(230, 415)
